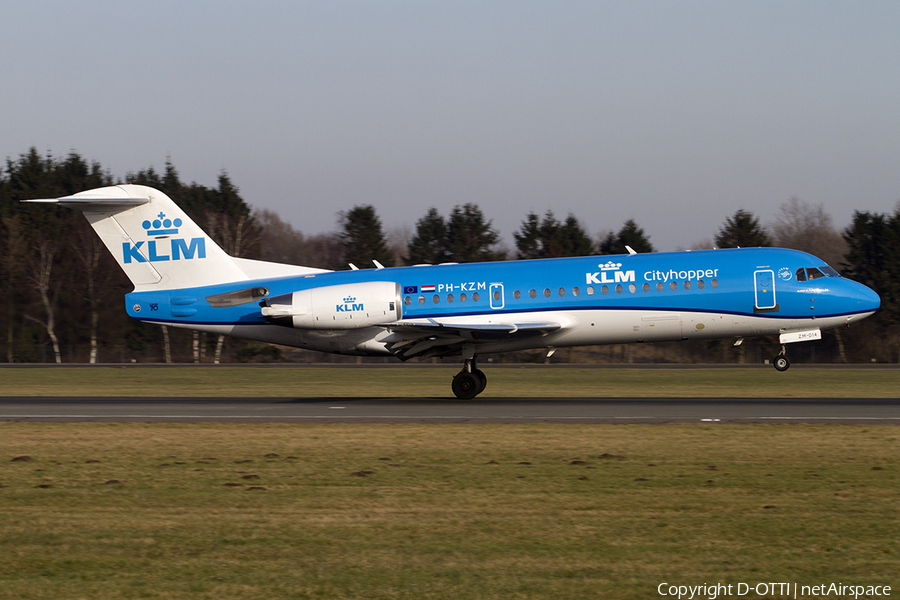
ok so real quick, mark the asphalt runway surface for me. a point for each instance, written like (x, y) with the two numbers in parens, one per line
(437, 410)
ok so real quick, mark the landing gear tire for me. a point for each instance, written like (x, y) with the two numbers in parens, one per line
(482, 379)
(467, 385)
(782, 363)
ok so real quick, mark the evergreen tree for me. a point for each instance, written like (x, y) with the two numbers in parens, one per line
(873, 257)
(742, 231)
(575, 239)
(429, 245)
(550, 238)
(363, 238)
(629, 235)
(470, 238)
(529, 238)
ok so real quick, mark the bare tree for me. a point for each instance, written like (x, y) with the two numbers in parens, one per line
(89, 250)
(41, 271)
(807, 227)
(236, 237)
(398, 238)
(284, 244)
(167, 347)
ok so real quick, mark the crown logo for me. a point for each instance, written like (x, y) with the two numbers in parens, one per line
(162, 225)
(349, 299)
(610, 266)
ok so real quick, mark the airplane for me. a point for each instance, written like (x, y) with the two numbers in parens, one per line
(182, 278)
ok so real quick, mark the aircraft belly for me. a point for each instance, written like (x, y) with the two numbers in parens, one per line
(363, 342)
(661, 327)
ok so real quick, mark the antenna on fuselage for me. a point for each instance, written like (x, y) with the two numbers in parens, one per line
(630, 249)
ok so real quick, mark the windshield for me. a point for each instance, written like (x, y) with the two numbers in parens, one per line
(810, 273)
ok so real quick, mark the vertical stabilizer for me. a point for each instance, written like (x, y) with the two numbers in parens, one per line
(157, 245)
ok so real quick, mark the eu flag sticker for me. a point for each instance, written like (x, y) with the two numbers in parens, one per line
(410, 289)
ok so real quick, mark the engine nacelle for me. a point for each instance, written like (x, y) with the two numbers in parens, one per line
(348, 306)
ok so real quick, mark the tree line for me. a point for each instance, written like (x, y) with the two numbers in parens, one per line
(62, 293)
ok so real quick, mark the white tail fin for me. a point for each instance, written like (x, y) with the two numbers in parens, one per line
(156, 244)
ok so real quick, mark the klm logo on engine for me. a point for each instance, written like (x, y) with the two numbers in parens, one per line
(610, 268)
(161, 250)
(349, 305)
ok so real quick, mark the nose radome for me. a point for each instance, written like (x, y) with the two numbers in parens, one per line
(868, 299)
(874, 299)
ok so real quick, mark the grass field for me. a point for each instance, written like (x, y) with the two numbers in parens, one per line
(399, 382)
(442, 511)
(421, 512)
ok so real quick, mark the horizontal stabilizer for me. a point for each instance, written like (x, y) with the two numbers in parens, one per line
(93, 204)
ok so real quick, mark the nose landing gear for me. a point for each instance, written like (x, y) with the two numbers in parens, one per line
(469, 382)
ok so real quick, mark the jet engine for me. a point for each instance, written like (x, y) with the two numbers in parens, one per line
(348, 306)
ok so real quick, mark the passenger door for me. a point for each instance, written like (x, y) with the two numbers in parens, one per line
(764, 291)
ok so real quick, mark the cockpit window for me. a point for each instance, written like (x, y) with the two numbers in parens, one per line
(809, 273)
(814, 273)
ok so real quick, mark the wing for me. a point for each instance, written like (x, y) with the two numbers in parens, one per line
(423, 339)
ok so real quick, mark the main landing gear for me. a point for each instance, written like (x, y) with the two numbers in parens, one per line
(469, 382)
(781, 361)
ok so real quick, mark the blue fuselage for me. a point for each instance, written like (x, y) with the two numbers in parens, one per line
(600, 299)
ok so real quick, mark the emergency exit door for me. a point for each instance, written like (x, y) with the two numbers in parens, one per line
(496, 292)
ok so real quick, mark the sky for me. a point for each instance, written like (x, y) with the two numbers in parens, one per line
(672, 113)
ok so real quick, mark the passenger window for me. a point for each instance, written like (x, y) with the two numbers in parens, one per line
(673, 286)
(659, 286)
(496, 295)
(546, 292)
(715, 283)
(532, 294)
(421, 299)
(604, 290)
(646, 287)
(475, 296)
(562, 292)
(632, 288)
(463, 297)
(450, 298)
(517, 294)
(619, 289)
(700, 284)
(407, 301)
(435, 298)
(575, 291)
(801, 274)
(687, 285)
(590, 290)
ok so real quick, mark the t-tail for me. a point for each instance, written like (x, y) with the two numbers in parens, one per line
(157, 245)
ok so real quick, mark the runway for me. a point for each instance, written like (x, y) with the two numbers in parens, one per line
(436, 410)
